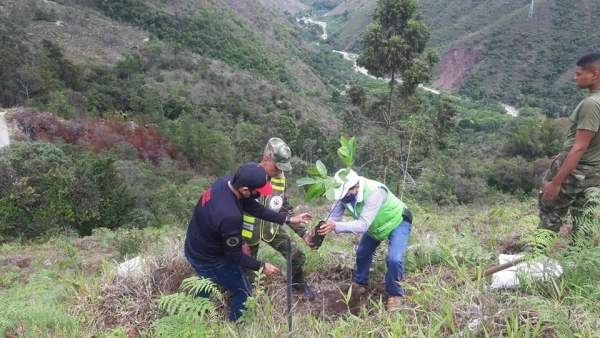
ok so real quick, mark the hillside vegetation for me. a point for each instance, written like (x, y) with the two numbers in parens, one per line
(121, 113)
(489, 48)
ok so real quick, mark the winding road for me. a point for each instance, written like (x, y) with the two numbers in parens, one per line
(353, 57)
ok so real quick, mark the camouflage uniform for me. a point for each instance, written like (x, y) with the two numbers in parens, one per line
(571, 197)
(256, 230)
(276, 236)
(279, 243)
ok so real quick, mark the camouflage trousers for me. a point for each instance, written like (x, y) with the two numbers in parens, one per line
(279, 243)
(571, 197)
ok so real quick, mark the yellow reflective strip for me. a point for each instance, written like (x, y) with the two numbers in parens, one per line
(246, 233)
(277, 180)
(278, 188)
(249, 219)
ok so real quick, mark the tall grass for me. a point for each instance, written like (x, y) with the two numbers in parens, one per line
(442, 298)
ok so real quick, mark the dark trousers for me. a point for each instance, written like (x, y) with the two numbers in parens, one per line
(229, 275)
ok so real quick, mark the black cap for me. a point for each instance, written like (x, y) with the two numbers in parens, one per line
(253, 176)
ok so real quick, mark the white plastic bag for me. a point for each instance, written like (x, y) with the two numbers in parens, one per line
(542, 268)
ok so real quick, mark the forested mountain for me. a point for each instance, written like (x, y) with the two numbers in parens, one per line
(204, 84)
(157, 60)
(493, 49)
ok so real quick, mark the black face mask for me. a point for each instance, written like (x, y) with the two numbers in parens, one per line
(350, 198)
(253, 195)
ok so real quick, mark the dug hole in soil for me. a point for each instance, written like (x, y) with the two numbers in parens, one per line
(330, 288)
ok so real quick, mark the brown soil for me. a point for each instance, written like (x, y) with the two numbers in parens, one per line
(330, 289)
(331, 303)
(21, 261)
(512, 245)
(454, 66)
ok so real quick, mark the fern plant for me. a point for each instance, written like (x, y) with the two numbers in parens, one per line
(34, 319)
(186, 314)
(580, 261)
(586, 231)
(6, 323)
(588, 226)
(540, 240)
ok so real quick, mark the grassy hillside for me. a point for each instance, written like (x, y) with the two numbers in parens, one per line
(525, 62)
(285, 6)
(490, 49)
(348, 20)
(217, 77)
(448, 247)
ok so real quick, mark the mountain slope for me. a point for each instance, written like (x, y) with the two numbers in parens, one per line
(247, 52)
(490, 48)
(510, 57)
(290, 6)
(358, 16)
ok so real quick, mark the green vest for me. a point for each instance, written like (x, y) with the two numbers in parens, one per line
(389, 215)
(254, 228)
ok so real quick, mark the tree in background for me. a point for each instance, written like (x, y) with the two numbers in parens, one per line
(393, 45)
(446, 110)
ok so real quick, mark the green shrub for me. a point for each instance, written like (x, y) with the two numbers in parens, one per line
(44, 191)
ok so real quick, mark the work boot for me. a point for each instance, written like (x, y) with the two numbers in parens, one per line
(394, 303)
(359, 289)
(299, 284)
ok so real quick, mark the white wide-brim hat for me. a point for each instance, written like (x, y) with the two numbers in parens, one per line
(348, 182)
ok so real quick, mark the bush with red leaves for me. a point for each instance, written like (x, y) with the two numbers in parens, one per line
(102, 134)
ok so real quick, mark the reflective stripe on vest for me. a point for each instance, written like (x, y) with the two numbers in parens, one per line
(255, 229)
(248, 226)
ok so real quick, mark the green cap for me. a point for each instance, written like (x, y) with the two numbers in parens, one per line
(280, 153)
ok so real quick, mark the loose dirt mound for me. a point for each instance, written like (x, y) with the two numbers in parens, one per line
(512, 245)
(332, 299)
(21, 261)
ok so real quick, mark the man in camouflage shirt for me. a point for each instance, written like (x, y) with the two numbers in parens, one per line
(276, 160)
(577, 167)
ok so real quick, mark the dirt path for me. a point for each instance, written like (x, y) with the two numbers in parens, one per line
(4, 140)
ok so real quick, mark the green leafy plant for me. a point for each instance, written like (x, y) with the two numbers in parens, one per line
(540, 240)
(321, 183)
(186, 313)
(34, 320)
(346, 297)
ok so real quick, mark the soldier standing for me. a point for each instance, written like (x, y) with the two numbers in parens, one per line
(577, 167)
(276, 160)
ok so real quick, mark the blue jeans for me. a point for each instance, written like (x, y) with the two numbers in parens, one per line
(394, 261)
(229, 275)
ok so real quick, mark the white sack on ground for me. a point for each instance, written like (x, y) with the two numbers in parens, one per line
(131, 268)
(542, 268)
